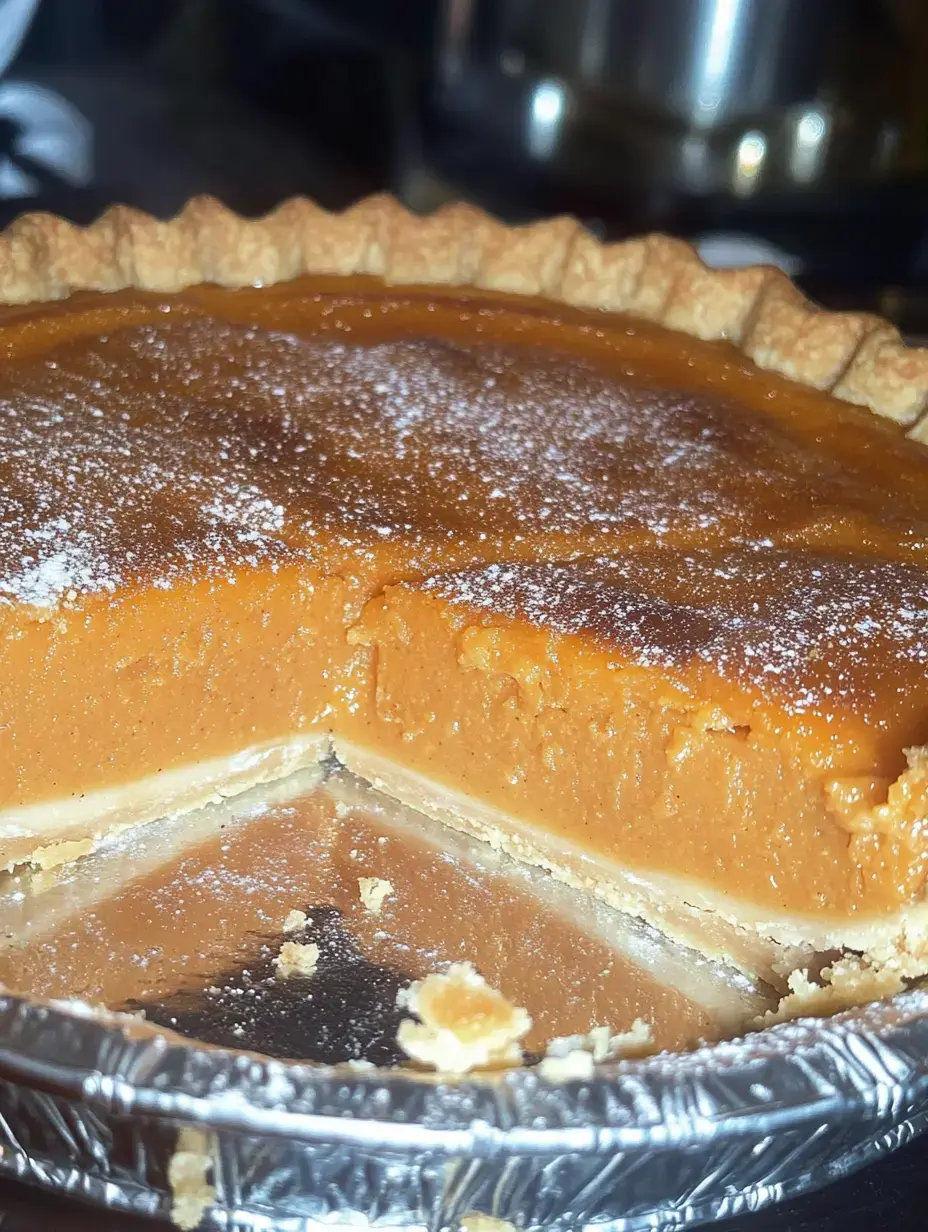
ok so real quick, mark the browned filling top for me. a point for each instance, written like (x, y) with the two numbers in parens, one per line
(704, 516)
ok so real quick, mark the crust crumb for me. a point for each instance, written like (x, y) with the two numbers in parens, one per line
(575, 1056)
(564, 1068)
(188, 1170)
(55, 854)
(297, 959)
(465, 1024)
(848, 982)
(295, 921)
(907, 956)
(373, 892)
(485, 1223)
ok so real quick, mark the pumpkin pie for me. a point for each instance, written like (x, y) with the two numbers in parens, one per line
(615, 561)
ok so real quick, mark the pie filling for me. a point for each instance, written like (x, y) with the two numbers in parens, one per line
(606, 596)
(93, 814)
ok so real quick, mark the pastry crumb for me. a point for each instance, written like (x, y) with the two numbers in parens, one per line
(55, 854)
(191, 1192)
(564, 1058)
(89, 1009)
(296, 958)
(910, 962)
(295, 921)
(373, 892)
(464, 1023)
(578, 1063)
(845, 984)
(637, 1041)
(485, 1223)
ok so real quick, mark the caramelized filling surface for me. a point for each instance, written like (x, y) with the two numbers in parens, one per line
(201, 491)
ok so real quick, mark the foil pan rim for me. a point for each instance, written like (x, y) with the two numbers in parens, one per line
(869, 1061)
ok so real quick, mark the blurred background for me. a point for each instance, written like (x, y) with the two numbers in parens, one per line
(785, 130)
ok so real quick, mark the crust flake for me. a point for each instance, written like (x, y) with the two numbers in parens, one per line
(464, 1024)
(849, 982)
(297, 958)
(192, 1191)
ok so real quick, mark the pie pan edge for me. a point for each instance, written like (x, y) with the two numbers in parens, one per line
(676, 1137)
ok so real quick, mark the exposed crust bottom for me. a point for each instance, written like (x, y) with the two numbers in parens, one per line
(58, 831)
(720, 926)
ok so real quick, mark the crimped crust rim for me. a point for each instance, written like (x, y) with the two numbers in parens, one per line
(856, 357)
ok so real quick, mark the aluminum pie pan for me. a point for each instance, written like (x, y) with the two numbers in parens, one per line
(91, 1105)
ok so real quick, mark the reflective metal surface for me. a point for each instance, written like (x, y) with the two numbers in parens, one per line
(92, 1108)
(693, 96)
(706, 62)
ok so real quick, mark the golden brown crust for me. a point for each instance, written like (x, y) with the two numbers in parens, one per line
(856, 357)
(890, 378)
(712, 303)
(665, 261)
(803, 342)
(603, 275)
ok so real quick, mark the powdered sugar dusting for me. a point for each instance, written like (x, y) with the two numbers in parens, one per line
(67, 572)
(825, 633)
(101, 484)
(199, 446)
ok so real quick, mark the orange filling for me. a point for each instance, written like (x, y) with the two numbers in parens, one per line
(659, 771)
(675, 616)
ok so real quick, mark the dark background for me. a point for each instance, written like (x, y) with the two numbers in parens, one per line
(150, 101)
(256, 100)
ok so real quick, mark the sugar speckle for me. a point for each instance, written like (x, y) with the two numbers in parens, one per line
(166, 449)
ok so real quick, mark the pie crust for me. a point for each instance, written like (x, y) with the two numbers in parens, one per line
(856, 357)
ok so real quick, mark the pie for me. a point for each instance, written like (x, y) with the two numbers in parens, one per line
(610, 559)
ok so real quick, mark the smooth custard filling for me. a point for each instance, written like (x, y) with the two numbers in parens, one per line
(611, 582)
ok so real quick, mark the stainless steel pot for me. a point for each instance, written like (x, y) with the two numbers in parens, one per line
(699, 95)
(702, 62)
